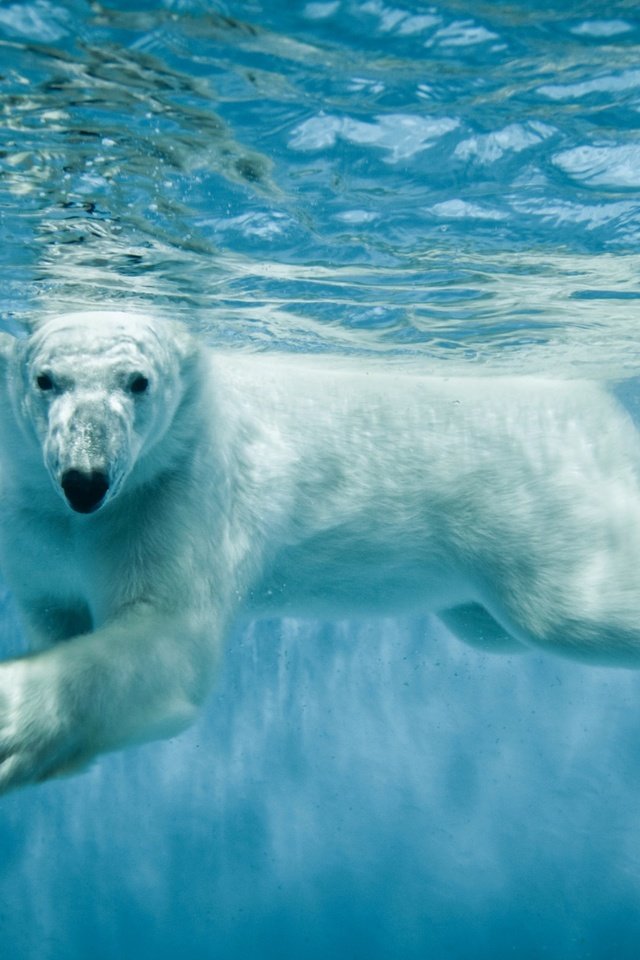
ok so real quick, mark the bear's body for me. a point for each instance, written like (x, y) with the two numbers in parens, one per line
(153, 491)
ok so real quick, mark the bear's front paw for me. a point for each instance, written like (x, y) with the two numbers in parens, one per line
(36, 737)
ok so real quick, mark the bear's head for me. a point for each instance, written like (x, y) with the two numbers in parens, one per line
(97, 392)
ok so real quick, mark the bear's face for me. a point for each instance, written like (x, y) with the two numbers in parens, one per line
(98, 391)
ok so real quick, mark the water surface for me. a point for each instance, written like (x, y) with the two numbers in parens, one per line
(457, 183)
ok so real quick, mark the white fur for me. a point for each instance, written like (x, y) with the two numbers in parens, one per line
(260, 486)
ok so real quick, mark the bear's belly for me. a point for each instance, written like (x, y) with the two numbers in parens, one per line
(355, 582)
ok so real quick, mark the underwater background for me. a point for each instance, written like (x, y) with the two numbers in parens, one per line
(451, 186)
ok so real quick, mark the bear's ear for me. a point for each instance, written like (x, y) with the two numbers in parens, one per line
(185, 346)
(7, 343)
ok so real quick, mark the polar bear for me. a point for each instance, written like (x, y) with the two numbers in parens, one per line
(153, 490)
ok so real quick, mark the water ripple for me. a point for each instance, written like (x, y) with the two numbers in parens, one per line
(456, 183)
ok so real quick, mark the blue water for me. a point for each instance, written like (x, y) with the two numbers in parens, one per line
(452, 186)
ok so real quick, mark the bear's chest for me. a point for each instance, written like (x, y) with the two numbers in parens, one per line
(60, 559)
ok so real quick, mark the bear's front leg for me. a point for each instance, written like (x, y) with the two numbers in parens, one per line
(140, 677)
(36, 734)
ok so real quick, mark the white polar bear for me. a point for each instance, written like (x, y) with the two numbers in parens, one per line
(153, 490)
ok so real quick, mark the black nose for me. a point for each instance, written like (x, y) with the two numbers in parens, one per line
(84, 491)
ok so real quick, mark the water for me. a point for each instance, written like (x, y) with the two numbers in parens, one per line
(452, 186)
(458, 183)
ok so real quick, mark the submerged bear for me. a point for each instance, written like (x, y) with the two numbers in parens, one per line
(154, 490)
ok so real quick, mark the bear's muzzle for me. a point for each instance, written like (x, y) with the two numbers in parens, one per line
(84, 491)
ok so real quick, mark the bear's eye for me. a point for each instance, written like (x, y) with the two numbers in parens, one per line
(44, 381)
(138, 384)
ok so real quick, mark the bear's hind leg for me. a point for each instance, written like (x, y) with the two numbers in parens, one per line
(473, 624)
